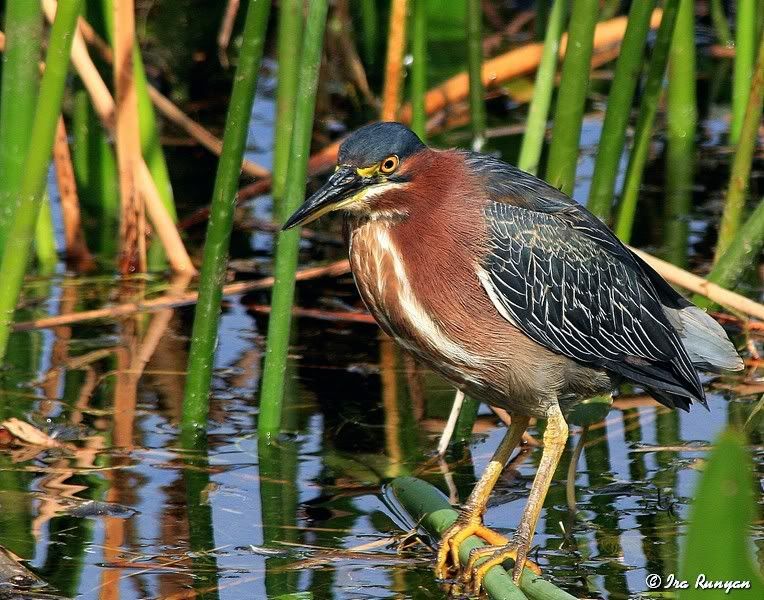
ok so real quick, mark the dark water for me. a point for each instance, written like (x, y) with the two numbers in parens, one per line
(122, 512)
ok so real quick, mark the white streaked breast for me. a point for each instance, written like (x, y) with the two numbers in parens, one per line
(373, 240)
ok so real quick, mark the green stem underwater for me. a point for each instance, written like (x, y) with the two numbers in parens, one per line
(430, 509)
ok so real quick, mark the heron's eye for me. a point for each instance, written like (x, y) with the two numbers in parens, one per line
(389, 165)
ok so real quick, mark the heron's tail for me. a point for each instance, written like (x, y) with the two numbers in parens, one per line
(705, 340)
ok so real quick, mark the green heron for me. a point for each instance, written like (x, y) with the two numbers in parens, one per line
(513, 292)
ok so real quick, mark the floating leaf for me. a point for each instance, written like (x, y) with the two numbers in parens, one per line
(29, 434)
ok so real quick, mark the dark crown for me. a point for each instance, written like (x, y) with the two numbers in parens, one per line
(373, 143)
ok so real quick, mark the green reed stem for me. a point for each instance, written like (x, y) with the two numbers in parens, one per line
(18, 95)
(741, 163)
(95, 170)
(745, 51)
(681, 125)
(45, 239)
(153, 154)
(571, 97)
(627, 71)
(720, 23)
(466, 421)
(206, 316)
(285, 263)
(367, 14)
(288, 54)
(649, 107)
(475, 67)
(610, 9)
(287, 246)
(419, 68)
(538, 112)
(35, 170)
(743, 251)
(430, 509)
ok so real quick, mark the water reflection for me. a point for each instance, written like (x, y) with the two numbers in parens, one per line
(234, 519)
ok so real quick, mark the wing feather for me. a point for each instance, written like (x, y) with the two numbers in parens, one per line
(568, 287)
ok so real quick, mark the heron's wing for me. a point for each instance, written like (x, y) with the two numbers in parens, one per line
(563, 279)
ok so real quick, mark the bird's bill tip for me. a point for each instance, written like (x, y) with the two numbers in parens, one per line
(334, 194)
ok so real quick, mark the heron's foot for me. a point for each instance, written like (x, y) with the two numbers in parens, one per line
(469, 523)
(483, 560)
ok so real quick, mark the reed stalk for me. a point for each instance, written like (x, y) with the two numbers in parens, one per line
(430, 509)
(45, 239)
(35, 170)
(619, 103)
(288, 53)
(649, 107)
(291, 27)
(734, 203)
(538, 112)
(151, 147)
(18, 95)
(720, 23)
(367, 14)
(419, 68)
(571, 98)
(396, 43)
(153, 154)
(285, 262)
(132, 220)
(95, 169)
(745, 52)
(77, 254)
(743, 250)
(205, 328)
(681, 125)
(474, 67)
(466, 420)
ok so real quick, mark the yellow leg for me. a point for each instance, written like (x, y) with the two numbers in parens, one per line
(470, 521)
(555, 438)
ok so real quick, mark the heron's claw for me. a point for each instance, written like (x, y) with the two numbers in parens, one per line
(490, 556)
(466, 525)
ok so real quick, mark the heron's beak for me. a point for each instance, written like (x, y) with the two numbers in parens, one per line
(341, 189)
